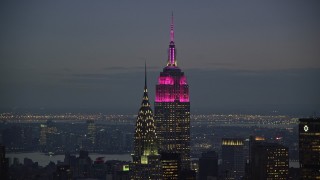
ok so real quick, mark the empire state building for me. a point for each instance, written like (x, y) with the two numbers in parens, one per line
(172, 108)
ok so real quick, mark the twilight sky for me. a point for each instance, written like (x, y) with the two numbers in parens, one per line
(239, 56)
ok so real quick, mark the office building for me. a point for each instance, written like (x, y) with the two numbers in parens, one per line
(233, 162)
(208, 166)
(91, 131)
(172, 108)
(309, 148)
(268, 160)
(171, 165)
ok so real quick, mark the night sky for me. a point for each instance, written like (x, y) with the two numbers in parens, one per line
(238, 56)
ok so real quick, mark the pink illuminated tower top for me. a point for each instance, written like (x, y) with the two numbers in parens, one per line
(172, 84)
(172, 49)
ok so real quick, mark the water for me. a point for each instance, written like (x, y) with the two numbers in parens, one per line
(44, 159)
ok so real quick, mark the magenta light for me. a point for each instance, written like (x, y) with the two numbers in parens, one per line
(170, 92)
(166, 80)
(171, 55)
(171, 52)
(183, 80)
(173, 58)
(172, 88)
(184, 99)
(165, 96)
(164, 99)
(181, 99)
(171, 29)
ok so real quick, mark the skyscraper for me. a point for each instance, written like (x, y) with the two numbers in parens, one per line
(43, 134)
(309, 148)
(146, 159)
(4, 163)
(208, 165)
(268, 160)
(91, 131)
(232, 151)
(172, 108)
(170, 165)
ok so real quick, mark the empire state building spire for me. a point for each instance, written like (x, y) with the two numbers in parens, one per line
(172, 48)
(171, 29)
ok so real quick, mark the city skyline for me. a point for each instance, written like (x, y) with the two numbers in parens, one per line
(250, 56)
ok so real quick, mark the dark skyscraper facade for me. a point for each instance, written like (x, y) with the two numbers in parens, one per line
(232, 152)
(208, 165)
(309, 148)
(4, 163)
(268, 160)
(146, 159)
(172, 108)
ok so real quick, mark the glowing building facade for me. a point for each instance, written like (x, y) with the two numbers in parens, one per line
(172, 108)
(146, 159)
(171, 166)
(309, 148)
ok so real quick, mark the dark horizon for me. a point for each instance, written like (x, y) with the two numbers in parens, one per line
(302, 99)
(271, 110)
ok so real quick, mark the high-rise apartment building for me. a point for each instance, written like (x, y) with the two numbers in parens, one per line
(309, 148)
(232, 151)
(146, 159)
(172, 108)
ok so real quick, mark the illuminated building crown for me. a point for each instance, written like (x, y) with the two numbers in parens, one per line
(145, 135)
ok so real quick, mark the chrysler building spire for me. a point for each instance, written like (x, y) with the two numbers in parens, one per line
(146, 159)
